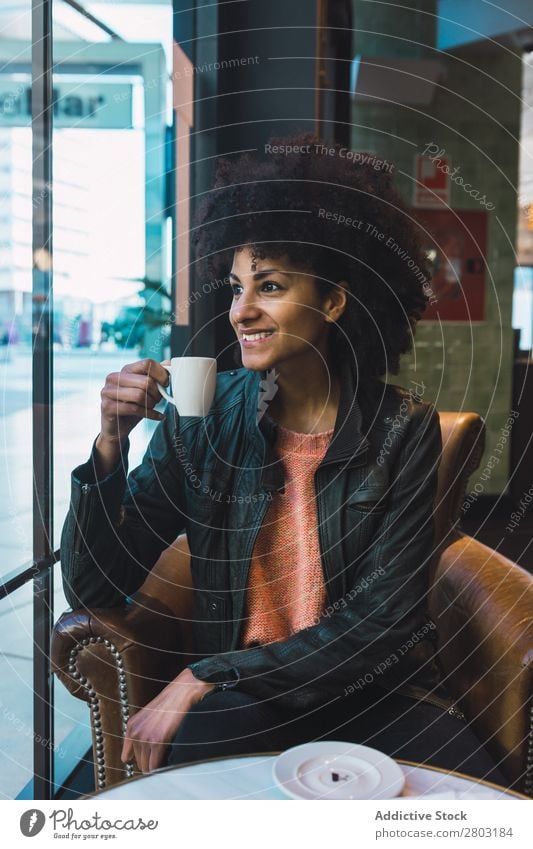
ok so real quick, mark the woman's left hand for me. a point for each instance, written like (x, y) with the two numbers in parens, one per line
(151, 730)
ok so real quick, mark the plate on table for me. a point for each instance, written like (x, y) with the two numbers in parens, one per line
(331, 769)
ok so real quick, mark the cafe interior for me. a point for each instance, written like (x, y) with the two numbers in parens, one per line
(112, 118)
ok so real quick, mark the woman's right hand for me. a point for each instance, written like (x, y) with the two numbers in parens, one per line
(129, 396)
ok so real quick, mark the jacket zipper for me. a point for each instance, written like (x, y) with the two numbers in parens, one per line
(81, 517)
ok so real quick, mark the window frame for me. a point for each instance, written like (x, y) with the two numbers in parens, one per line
(42, 394)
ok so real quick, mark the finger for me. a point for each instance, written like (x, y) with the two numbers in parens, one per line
(127, 750)
(129, 396)
(144, 756)
(157, 755)
(149, 367)
(137, 750)
(134, 381)
(121, 409)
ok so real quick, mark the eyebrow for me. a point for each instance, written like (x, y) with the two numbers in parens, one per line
(263, 273)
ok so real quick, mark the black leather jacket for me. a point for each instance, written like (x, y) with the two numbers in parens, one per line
(214, 478)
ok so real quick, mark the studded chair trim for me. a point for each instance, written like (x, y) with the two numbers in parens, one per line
(94, 702)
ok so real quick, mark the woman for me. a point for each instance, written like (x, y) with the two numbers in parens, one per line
(306, 493)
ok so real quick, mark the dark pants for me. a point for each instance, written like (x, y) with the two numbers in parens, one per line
(233, 723)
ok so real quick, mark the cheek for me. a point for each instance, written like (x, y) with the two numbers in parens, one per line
(306, 323)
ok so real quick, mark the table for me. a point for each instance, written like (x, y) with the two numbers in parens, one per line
(250, 777)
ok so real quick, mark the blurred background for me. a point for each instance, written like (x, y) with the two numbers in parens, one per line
(96, 198)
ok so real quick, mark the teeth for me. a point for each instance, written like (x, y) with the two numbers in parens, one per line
(251, 337)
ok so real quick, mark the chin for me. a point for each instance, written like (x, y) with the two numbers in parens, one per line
(257, 363)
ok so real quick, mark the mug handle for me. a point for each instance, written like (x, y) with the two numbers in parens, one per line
(162, 389)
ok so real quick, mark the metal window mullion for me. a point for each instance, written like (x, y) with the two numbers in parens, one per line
(43, 748)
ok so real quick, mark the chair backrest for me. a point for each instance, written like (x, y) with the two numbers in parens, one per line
(170, 580)
(463, 443)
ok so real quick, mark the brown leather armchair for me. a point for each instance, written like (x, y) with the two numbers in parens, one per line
(118, 659)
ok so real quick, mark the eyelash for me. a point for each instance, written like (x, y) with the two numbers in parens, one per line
(266, 283)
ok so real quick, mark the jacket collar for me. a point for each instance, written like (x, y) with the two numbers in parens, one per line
(348, 443)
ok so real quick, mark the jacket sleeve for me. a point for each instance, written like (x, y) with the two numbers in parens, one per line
(117, 527)
(319, 662)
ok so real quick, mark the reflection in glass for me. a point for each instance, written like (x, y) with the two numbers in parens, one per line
(15, 285)
(16, 693)
(111, 250)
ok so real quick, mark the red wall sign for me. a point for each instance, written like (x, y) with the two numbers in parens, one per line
(432, 183)
(456, 241)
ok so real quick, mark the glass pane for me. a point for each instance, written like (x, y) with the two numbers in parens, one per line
(15, 285)
(523, 306)
(69, 713)
(111, 256)
(111, 251)
(16, 692)
(16, 697)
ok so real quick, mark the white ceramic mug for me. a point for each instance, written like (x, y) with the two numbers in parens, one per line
(193, 382)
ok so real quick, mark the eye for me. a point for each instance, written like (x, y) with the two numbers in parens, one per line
(235, 286)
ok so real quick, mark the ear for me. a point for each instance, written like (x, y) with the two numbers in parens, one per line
(336, 301)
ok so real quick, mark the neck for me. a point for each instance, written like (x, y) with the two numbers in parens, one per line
(306, 406)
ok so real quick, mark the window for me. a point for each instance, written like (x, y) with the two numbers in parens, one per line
(64, 326)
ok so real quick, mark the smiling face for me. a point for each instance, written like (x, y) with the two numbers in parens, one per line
(284, 303)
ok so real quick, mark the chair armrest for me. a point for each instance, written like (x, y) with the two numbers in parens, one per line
(482, 604)
(118, 659)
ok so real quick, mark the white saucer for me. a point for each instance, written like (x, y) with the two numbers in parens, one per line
(331, 769)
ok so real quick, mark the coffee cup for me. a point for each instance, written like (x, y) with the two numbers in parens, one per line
(193, 383)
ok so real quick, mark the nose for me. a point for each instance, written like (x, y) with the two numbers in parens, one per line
(246, 309)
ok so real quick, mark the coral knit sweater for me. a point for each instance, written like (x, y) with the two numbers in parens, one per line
(286, 590)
